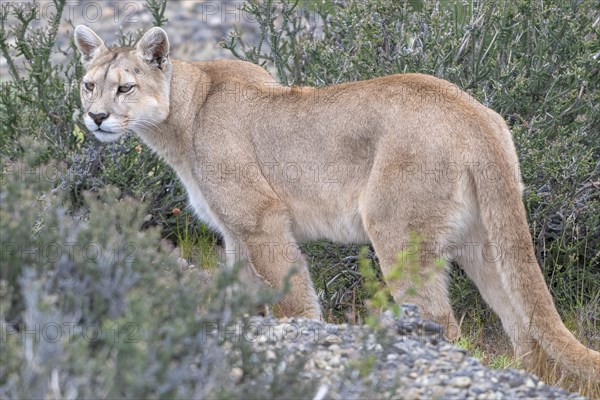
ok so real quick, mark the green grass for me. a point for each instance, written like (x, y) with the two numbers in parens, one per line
(196, 244)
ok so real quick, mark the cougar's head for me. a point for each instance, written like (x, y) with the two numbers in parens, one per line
(124, 88)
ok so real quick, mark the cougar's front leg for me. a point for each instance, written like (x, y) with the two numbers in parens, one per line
(257, 232)
(275, 257)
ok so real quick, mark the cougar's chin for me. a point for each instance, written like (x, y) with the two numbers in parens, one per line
(106, 137)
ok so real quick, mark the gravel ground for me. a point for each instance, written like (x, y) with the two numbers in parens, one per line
(404, 358)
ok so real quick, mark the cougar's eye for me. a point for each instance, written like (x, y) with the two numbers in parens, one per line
(89, 86)
(125, 88)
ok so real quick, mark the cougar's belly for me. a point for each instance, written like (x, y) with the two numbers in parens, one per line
(328, 221)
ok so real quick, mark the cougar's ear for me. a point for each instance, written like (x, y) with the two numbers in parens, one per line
(88, 43)
(154, 47)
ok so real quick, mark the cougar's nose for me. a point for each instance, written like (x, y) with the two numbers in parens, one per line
(98, 118)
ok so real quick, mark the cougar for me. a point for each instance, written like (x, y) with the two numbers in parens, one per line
(382, 161)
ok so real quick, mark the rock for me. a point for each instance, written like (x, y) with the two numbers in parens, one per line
(321, 363)
(461, 382)
(412, 394)
(321, 393)
(530, 383)
(236, 373)
(334, 348)
(334, 361)
(331, 339)
(271, 356)
(182, 263)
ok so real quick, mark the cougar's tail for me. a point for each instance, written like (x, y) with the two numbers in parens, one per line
(503, 216)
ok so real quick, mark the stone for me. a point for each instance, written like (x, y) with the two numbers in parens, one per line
(461, 382)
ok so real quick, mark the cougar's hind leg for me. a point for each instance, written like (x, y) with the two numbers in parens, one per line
(424, 284)
(424, 280)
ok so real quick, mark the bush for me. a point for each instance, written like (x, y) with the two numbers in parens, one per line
(91, 307)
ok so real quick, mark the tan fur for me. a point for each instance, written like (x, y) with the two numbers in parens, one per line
(374, 161)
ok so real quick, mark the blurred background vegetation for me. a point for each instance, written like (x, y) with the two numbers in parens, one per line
(537, 63)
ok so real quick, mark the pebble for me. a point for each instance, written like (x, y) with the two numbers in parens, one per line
(461, 381)
(330, 340)
(236, 373)
(530, 383)
(335, 361)
(271, 356)
(334, 348)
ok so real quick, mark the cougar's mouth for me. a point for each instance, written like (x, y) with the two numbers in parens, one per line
(105, 132)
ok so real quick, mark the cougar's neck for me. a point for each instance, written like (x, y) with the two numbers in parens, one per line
(173, 138)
